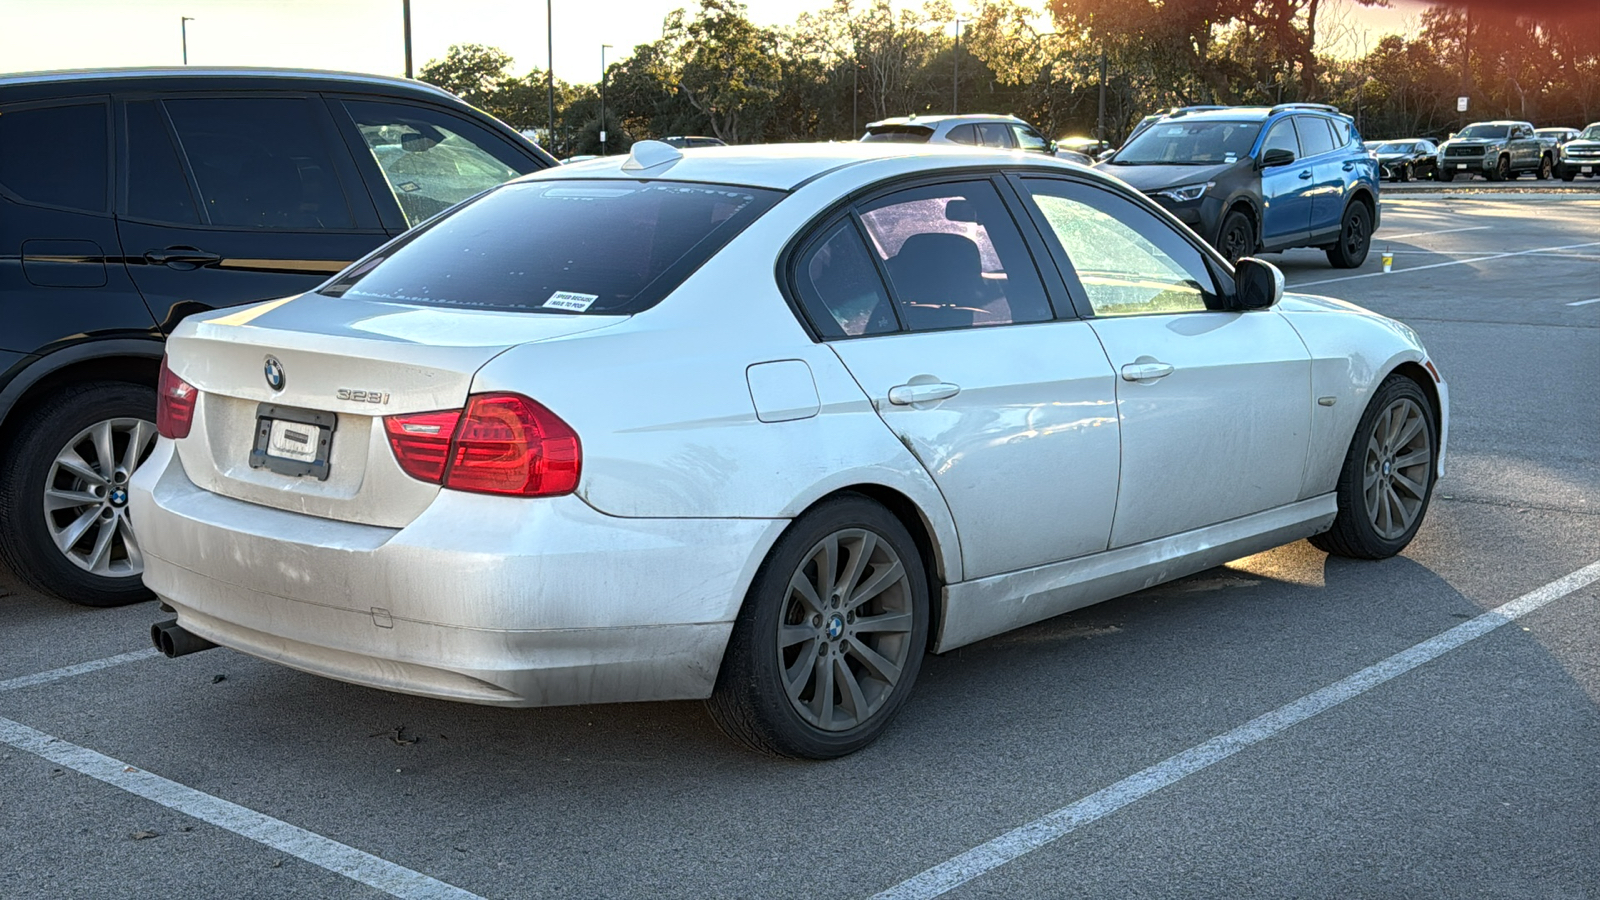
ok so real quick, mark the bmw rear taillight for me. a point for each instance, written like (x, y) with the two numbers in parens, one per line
(500, 444)
(174, 404)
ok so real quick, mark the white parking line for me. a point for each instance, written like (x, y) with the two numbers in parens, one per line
(1585, 302)
(79, 669)
(337, 858)
(1396, 237)
(957, 871)
(1454, 262)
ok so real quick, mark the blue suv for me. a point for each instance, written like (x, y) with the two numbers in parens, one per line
(1259, 179)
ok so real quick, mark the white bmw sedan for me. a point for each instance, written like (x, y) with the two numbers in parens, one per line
(763, 426)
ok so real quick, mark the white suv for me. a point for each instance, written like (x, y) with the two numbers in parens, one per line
(999, 132)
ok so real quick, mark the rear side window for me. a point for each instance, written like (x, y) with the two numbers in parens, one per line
(1315, 138)
(157, 187)
(601, 247)
(963, 134)
(840, 287)
(432, 160)
(955, 258)
(56, 155)
(261, 162)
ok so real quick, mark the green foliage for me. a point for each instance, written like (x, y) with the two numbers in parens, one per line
(713, 71)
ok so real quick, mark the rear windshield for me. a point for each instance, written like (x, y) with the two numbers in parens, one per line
(1179, 143)
(600, 247)
(899, 134)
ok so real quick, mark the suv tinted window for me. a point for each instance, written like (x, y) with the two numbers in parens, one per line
(1028, 139)
(1315, 137)
(603, 247)
(157, 188)
(955, 258)
(261, 162)
(963, 134)
(57, 155)
(840, 287)
(993, 134)
(1179, 141)
(432, 160)
(1282, 137)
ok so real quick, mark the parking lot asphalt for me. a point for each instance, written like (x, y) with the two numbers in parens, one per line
(1079, 755)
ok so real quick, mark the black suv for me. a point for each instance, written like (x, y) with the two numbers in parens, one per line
(129, 199)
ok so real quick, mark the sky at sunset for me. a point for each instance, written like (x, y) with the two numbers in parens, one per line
(365, 35)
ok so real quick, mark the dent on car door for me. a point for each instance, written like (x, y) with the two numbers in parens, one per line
(931, 298)
(1214, 406)
(230, 200)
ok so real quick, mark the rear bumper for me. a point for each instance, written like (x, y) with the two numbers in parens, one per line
(484, 599)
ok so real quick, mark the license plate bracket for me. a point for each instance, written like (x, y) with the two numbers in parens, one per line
(292, 441)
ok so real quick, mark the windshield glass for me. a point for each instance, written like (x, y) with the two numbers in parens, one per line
(599, 247)
(1485, 132)
(1178, 143)
(1391, 146)
(1592, 133)
(899, 134)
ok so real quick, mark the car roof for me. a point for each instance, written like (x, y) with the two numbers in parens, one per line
(932, 121)
(786, 167)
(169, 77)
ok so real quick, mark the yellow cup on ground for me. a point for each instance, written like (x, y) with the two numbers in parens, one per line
(1388, 260)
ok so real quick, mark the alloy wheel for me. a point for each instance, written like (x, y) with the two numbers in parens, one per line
(86, 496)
(1355, 239)
(1395, 470)
(844, 632)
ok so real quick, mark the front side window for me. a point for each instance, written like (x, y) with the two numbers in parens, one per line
(1178, 142)
(56, 155)
(260, 162)
(1031, 140)
(840, 287)
(1129, 261)
(572, 247)
(996, 135)
(955, 258)
(432, 160)
(1282, 137)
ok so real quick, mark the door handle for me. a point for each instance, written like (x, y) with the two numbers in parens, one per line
(909, 394)
(1305, 175)
(181, 256)
(1146, 371)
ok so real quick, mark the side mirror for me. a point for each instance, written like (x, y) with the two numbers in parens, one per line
(1257, 284)
(1277, 156)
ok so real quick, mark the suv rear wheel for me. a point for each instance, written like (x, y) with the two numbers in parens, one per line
(1355, 238)
(64, 493)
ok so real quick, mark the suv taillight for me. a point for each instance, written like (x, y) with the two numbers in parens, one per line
(174, 404)
(500, 444)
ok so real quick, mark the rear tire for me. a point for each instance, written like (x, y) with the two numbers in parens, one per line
(830, 638)
(1388, 474)
(63, 493)
(1546, 169)
(1355, 238)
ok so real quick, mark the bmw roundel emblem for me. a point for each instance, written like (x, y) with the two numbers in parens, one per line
(274, 373)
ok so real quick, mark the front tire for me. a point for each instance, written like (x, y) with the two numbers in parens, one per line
(1405, 173)
(1355, 238)
(1388, 475)
(1237, 238)
(830, 638)
(63, 494)
(1442, 175)
(1501, 170)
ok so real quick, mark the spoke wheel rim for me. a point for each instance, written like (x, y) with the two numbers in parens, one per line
(1233, 243)
(1357, 235)
(86, 496)
(1397, 469)
(844, 630)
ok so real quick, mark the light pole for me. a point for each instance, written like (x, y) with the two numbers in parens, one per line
(955, 81)
(550, 67)
(603, 49)
(405, 14)
(183, 29)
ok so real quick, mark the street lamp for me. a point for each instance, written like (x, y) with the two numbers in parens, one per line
(405, 13)
(603, 49)
(955, 86)
(183, 28)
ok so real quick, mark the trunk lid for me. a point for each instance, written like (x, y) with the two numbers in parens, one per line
(341, 365)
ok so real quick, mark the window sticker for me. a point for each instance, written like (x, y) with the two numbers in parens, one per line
(570, 301)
